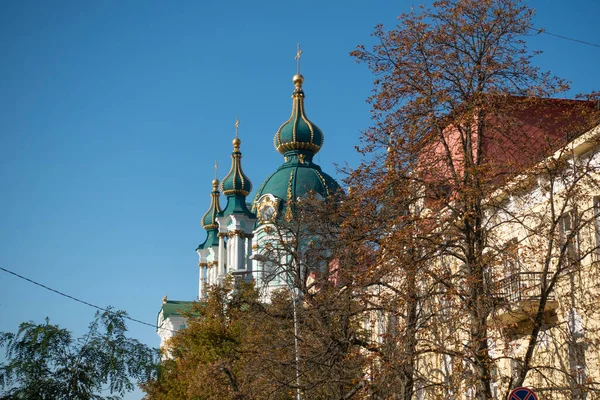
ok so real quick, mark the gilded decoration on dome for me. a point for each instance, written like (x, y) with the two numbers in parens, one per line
(288, 212)
(268, 210)
(324, 182)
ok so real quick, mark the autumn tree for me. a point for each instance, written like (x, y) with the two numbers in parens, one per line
(465, 136)
(302, 340)
(44, 361)
(312, 262)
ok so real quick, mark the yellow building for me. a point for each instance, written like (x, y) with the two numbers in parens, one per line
(536, 287)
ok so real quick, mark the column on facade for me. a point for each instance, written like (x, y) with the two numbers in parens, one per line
(232, 243)
(202, 281)
(210, 274)
(222, 256)
(248, 261)
(240, 251)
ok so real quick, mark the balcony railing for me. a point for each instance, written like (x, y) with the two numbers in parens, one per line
(519, 287)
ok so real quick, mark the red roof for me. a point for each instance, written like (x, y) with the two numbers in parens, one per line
(518, 133)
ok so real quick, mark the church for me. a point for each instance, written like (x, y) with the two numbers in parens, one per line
(237, 234)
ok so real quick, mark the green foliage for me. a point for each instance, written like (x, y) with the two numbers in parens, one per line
(45, 362)
(207, 357)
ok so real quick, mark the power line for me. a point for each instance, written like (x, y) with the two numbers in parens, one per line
(564, 37)
(79, 300)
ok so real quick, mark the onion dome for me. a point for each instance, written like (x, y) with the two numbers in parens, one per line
(236, 185)
(209, 220)
(236, 182)
(298, 140)
(298, 133)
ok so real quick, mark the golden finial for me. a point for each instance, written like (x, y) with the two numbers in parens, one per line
(236, 141)
(215, 181)
(297, 58)
(298, 79)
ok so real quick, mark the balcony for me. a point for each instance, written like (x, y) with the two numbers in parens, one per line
(518, 297)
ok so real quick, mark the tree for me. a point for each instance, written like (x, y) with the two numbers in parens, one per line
(464, 119)
(213, 358)
(303, 341)
(44, 361)
(315, 265)
(382, 220)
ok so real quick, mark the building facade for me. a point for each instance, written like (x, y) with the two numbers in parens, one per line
(530, 295)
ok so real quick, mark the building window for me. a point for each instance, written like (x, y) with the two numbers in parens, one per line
(569, 241)
(544, 338)
(575, 323)
(419, 391)
(515, 368)
(578, 367)
(511, 257)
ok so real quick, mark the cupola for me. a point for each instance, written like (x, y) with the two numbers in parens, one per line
(298, 139)
(209, 220)
(236, 185)
(236, 182)
(298, 132)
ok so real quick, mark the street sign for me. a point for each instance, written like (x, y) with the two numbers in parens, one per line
(522, 393)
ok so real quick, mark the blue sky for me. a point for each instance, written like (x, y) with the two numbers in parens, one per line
(112, 115)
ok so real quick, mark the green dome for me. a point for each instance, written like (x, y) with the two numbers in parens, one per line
(209, 220)
(236, 182)
(298, 133)
(298, 140)
(297, 177)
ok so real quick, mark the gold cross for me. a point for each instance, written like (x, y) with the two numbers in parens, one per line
(297, 58)
(237, 125)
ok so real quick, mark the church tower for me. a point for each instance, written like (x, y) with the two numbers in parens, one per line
(236, 222)
(208, 251)
(298, 140)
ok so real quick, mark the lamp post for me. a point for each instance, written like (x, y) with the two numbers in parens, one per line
(262, 258)
(294, 301)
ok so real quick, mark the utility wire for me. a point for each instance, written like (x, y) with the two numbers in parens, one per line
(564, 37)
(79, 300)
